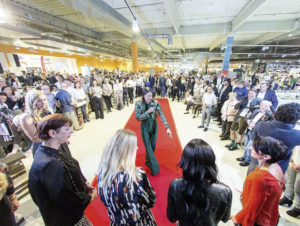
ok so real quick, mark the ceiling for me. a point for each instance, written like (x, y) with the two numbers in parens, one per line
(197, 28)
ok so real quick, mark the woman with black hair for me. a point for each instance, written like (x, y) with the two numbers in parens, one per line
(146, 110)
(198, 198)
(263, 186)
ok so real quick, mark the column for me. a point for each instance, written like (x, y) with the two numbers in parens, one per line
(227, 55)
(134, 56)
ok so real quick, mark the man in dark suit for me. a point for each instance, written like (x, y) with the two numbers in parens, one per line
(223, 96)
(152, 82)
(266, 94)
(162, 85)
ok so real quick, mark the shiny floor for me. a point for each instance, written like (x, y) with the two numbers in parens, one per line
(87, 144)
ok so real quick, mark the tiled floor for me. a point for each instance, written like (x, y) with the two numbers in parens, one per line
(86, 146)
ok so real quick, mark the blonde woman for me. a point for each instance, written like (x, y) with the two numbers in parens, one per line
(35, 106)
(229, 110)
(123, 188)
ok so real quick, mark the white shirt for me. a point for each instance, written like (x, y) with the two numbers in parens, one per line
(130, 83)
(78, 94)
(261, 95)
(209, 99)
(139, 82)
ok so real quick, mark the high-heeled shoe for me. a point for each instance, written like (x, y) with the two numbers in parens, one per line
(285, 201)
(295, 212)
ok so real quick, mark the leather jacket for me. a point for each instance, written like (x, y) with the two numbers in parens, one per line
(219, 196)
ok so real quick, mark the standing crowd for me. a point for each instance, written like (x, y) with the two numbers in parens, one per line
(42, 111)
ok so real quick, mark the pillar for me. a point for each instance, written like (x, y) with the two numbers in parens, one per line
(227, 55)
(134, 57)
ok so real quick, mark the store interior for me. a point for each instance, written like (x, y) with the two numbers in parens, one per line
(206, 40)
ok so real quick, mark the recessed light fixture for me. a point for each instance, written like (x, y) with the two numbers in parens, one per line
(135, 26)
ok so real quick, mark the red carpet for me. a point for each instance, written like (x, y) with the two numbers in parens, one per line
(168, 152)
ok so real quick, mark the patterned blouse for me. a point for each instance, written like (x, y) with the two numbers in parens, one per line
(129, 204)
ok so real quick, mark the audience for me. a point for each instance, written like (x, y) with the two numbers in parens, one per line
(244, 113)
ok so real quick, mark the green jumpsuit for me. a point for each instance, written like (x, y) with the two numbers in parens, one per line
(149, 129)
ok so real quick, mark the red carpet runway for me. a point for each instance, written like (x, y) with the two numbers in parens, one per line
(168, 152)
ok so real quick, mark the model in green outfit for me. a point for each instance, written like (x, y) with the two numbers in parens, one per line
(146, 110)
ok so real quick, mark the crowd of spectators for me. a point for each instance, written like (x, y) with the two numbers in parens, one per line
(246, 110)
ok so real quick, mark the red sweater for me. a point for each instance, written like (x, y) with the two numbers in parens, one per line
(260, 199)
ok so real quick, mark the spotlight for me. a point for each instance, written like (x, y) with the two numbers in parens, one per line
(149, 47)
(135, 26)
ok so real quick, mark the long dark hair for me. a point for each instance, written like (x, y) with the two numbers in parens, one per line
(199, 171)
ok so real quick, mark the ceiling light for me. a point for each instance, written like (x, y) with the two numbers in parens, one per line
(170, 43)
(3, 15)
(283, 55)
(149, 47)
(135, 26)
(290, 35)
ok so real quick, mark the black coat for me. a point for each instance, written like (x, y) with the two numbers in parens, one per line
(57, 187)
(224, 96)
(219, 196)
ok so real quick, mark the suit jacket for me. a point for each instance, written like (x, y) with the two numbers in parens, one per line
(224, 96)
(271, 96)
(281, 131)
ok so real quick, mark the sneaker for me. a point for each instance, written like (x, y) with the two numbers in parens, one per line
(244, 163)
(194, 116)
(285, 201)
(295, 212)
(205, 129)
(186, 113)
(200, 127)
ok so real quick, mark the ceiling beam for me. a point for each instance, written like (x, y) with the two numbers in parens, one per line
(220, 28)
(246, 12)
(217, 41)
(261, 39)
(173, 14)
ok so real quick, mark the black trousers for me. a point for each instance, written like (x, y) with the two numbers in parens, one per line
(175, 93)
(189, 105)
(226, 128)
(130, 94)
(98, 105)
(107, 100)
(138, 91)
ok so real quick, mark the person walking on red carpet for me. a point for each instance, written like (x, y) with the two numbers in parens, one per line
(146, 110)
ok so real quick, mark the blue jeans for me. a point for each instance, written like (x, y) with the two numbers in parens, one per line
(163, 91)
(248, 144)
